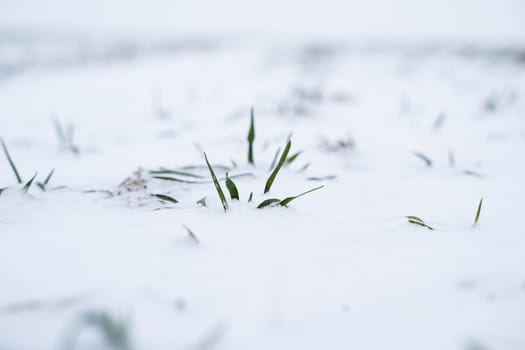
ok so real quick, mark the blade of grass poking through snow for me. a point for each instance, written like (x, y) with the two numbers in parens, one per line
(165, 197)
(46, 181)
(270, 180)
(424, 158)
(11, 163)
(168, 178)
(268, 202)
(251, 138)
(205, 167)
(202, 202)
(417, 221)
(114, 332)
(230, 185)
(28, 184)
(321, 178)
(275, 157)
(250, 197)
(191, 234)
(217, 185)
(478, 212)
(304, 167)
(174, 172)
(292, 158)
(43, 185)
(287, 200)
(60, 131)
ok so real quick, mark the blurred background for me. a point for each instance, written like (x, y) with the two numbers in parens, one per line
(481, 20)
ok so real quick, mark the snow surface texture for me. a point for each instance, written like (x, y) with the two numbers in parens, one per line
(340, 268)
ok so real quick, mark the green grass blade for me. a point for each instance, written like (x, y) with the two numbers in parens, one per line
(472, 173)
(292, 158)
(174, 179)
(175, 172)
(27, 186)
(115, 332)
(217, 185)
(321, 178)
(11, 163)
(60, 131)
(271, 179)
(304, 168)
(204, 167)
(42, 185)
(202, 202)
(478, 212)
(46, 181)
(250, 197)
(287, 200)
(251, 138)
(191, 234)
(424, 158)
(3, 189)
(165, 197)
(268, 202)
(415, 218)
(275, 157)
(418, 221)
(232, 188)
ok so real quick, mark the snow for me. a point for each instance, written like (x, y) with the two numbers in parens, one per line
(341, 268)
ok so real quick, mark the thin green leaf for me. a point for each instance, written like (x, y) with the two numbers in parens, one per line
(451, 158)
(424, 158)
(65, 136)
(250, 197)
(304, 167)
(165, 197)
(26, 187)
(217, 185)
(417, 221)
(321, 178)
(108, 193)
(175, 172)
(292, 158)
(478, 212)
(268, 202)
(472, 173)
(415, 218)
(11, 163)
(271, 179)
(115, 332)
(169, 178)
(42, 185)
(46, 181)
(275, 157)
(232, 188)
(287, 200)
(202, 202)
(60, 131)
(191, 234)
(195, 167)
(251, 138)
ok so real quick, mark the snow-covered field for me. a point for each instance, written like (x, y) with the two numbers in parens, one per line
(390, 127)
